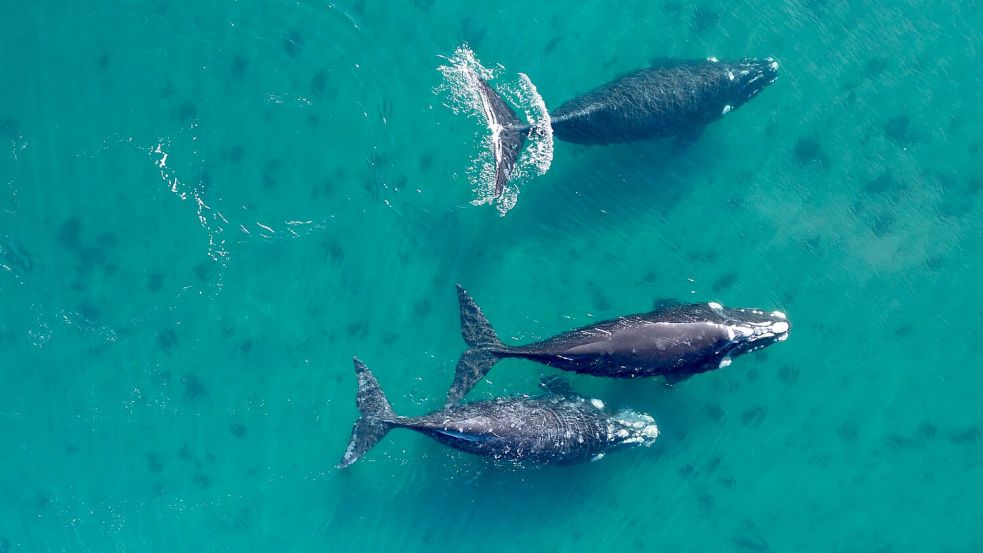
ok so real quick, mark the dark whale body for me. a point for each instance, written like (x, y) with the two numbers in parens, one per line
(678, 98)
(674, 342)
(558, 428)
(672, 100)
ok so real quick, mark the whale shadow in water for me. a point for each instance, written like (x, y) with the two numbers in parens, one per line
(616, 185)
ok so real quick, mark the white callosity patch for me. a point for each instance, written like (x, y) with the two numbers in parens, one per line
(715, 306)
(725, 362)
(597, 403)
(754, 331)
(780, 329)
(631, 427)
(727, 109)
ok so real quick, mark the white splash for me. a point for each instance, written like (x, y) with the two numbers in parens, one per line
(461, 88)
(209, 219)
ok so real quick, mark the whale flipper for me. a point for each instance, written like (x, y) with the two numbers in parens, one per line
(508, 133)
(377, 417)
(485, 348)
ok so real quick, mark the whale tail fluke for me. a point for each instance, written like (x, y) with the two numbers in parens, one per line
(475, 328)
(508, 133)
(376, 416)
(517, 139)
(485, 349)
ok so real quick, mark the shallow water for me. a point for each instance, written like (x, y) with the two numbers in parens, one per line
(206, 211)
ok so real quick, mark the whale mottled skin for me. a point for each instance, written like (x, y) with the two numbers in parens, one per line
(671, 100)
(558, 428)
(676, 98)
(674, 342)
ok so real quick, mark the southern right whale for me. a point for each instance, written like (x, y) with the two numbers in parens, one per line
(560, 427)
(675, 342)
(674, 98)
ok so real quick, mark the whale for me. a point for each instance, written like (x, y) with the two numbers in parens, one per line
(675, 341)
(673, 98)
(559, 427)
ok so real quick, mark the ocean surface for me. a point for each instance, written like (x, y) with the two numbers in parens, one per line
(207, 209)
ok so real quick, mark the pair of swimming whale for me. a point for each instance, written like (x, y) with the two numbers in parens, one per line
(674, 341)
(670, 99)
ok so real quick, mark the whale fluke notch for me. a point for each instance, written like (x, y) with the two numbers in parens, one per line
(508, 133)
(376, 416)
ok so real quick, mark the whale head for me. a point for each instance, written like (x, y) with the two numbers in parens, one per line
(748, 329)
(746, 78)
(629, 428)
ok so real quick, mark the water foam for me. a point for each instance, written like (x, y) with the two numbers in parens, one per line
(461, 89)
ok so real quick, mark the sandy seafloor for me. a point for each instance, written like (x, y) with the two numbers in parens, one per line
(176, 337)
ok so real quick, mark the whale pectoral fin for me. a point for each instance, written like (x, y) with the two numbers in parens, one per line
(686, 138)
(675, 378)
(556, 385)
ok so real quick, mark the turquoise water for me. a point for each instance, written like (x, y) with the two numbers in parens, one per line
(176, 332)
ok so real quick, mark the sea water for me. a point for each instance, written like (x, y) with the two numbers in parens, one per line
(206, 209)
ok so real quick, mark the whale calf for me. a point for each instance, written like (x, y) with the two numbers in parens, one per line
(557, 428)
(672, 98)
(674, 342)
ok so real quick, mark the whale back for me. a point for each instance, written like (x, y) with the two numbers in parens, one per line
(667, 100)
(551, 429)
